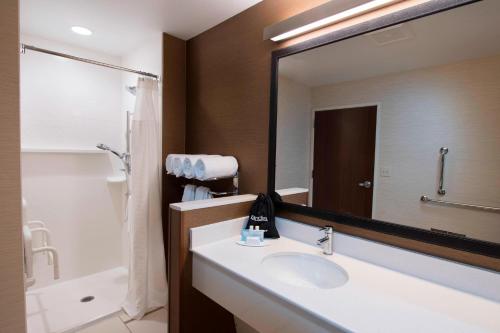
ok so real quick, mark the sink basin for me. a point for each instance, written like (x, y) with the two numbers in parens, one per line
(304, 270)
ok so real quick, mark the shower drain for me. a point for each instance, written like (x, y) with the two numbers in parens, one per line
(87, 299)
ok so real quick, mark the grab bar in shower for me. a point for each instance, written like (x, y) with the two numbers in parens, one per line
(426, 199)
(442, 152)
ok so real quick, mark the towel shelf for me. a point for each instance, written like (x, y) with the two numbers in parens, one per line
(235, 191)
(219, 194)
(426, 199)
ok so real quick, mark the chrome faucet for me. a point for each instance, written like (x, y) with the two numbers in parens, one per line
(327, 241)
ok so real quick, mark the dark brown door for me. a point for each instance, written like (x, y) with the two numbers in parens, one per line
(344, 154)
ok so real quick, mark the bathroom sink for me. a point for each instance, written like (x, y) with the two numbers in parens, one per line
(304, 270)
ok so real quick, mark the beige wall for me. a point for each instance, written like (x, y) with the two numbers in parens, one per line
(293, 135)
(12, 313)
(457, 106)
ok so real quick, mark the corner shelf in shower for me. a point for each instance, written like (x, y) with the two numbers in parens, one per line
(116, 179)
(49, 150)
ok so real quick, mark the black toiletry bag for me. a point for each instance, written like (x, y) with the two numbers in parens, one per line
(262, 215)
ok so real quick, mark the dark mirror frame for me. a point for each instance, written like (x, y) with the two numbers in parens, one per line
(432, 7)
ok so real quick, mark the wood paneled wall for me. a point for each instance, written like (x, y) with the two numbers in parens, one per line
(12, 309)
(174, 119)
(229, 68)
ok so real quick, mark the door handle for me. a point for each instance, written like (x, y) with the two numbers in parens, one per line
(365, 184)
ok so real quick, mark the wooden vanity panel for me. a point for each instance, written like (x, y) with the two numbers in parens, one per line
(404, 243)
(189, 310)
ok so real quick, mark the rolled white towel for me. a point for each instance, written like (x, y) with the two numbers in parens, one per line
(188, 165)
(208, 167)
(189, 193)
(177, 165)
(169, 162)
(202, 193)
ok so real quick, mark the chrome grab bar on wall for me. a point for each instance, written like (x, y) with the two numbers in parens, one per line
(442, 151)
(426, 199)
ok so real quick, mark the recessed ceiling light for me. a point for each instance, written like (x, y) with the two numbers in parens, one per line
(81, 31)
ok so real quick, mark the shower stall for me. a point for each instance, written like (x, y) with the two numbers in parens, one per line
(76, 166)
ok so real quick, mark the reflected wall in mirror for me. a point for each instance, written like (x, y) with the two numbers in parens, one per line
(368, 125)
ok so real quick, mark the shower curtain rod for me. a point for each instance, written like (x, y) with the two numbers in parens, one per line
(25, 47)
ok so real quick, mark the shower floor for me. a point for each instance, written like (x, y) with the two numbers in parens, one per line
(57, 308)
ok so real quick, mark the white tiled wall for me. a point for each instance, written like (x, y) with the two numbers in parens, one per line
(69, 104)
(66, 103)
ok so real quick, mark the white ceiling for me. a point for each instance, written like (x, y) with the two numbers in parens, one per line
(121, 25)
(467, 32)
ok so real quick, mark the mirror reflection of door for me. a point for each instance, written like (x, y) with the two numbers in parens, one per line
(344, 158)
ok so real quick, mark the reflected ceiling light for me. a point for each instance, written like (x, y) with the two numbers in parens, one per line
(81, 31)
(331, 12)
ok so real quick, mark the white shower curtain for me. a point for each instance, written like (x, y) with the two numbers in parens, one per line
(147, 288)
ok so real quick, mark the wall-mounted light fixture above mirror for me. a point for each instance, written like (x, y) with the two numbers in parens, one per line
(318, 17)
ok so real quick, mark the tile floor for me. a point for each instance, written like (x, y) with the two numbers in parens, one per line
(153, 322)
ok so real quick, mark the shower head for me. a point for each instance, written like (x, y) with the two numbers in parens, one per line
(131, 89)
(124, 157)
(102, 146)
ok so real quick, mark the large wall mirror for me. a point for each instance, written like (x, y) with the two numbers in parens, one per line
(399, 124)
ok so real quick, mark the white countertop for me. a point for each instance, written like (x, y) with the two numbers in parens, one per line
(375, 299)
(199, 204)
